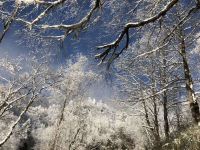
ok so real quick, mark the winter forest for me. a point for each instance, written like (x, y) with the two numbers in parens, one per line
(99, 74)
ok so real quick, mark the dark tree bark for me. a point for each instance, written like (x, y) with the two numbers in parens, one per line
(165, 111)
(165, 98)
(194, 106)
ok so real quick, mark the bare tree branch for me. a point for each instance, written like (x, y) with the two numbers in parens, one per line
(9, 22)
(17, 121)
(109, 47)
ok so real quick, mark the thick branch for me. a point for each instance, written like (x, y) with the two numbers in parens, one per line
(46, 11)
(109, 47)
(67, 28)
(8, 23)
(81, 24)
(139, 24)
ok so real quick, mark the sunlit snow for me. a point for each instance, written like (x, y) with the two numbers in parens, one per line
(25, 1)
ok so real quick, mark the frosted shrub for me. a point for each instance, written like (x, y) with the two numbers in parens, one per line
(63, 116)
(88, 124)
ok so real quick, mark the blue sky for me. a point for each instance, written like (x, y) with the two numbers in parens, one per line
(95, 35)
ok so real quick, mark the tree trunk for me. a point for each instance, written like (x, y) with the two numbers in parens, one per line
(54, 142)
(165, 111)
(146, 113)
(145, 109)
(156, 124)
(165, 98)
(178, 124)
(194, 107)
(155, 107)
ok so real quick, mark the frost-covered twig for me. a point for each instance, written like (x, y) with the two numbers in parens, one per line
(9, 22)
(17, 121)
(112, 46)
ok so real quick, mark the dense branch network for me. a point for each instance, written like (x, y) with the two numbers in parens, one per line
(67, 28)
(111, 48)
(9, 22)
(74, 26)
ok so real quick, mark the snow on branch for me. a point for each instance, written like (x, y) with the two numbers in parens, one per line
(9, 22)
(111, 47)
(81, 24)
(17, 121)
(73, 27)
(67, 28)
(46, 11)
